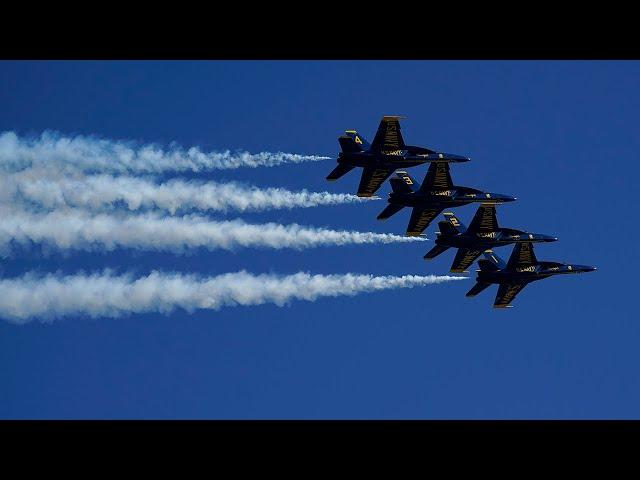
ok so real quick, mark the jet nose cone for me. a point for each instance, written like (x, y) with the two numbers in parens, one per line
(506, 198)
(495, 198)
(585, 268)
(452, 157)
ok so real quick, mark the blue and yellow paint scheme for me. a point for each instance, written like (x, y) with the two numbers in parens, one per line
(522, 268)
(383, 156)
(436, 193)
(483, 234)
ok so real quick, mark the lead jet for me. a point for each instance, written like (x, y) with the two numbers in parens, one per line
(483, 234)
(522, 269)
(381, 158)
(436, 193)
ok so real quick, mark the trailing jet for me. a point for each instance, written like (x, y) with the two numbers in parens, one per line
(381, 158)
(483, 234)
(522, 269)
(436, 193)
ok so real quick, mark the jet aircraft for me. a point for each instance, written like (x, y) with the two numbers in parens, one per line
(436, 193)
(381, 158)
(522, 269)
(483, 234)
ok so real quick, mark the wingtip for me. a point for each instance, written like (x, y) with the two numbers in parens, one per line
(393, 117)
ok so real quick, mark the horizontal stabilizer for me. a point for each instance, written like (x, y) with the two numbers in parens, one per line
(477, 288)
(435, 251)
(339, 171)
(391, 210)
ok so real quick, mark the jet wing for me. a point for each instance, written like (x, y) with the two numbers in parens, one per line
(485, 219)
(388, 136)
(507, 292)
(371, 180)
(464, 258)
(437, 178)
(420, 219)
(522, 256)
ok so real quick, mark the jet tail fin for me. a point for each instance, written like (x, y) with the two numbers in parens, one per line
(457, 225)
(353, 140)
(402, 182)
(347, 144)
(492, 259)
(477, 288)
(447, 229)
(487, 266)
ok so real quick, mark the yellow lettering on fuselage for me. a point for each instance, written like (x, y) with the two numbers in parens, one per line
(532, 268)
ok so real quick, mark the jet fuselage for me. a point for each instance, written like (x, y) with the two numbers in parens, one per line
(488, 240)
(394, 159)
(531, 273)
(454, 197)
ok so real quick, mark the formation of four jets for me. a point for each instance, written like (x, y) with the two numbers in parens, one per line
(388, 153)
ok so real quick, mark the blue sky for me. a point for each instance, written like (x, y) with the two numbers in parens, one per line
(561, 136)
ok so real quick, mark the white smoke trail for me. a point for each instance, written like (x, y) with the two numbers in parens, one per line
(78, 229)
(52, 190)
(106, 295)
(101, 155)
